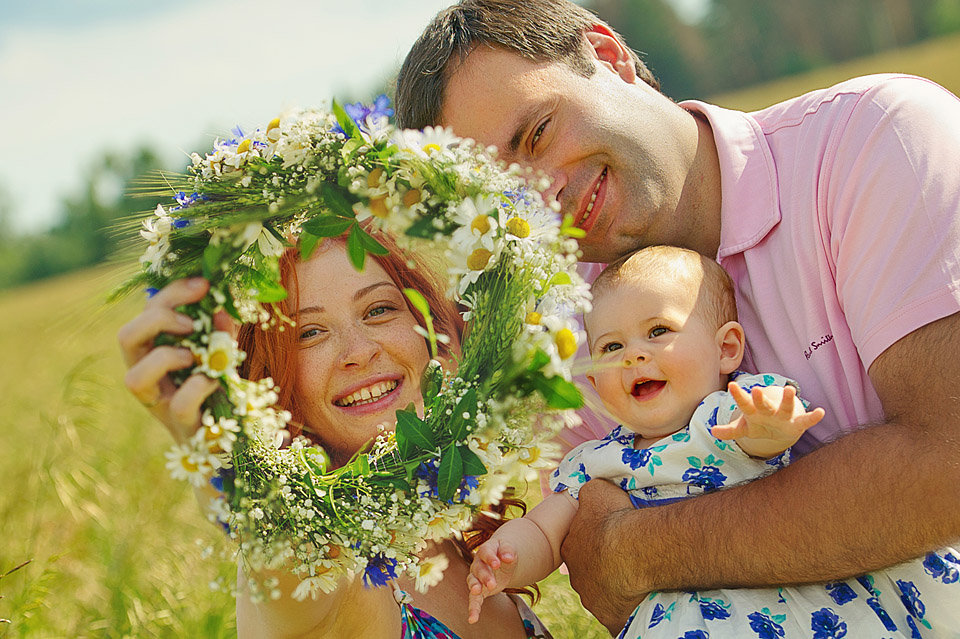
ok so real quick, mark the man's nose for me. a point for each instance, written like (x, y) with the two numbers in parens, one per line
(557, 179)
(358, 349)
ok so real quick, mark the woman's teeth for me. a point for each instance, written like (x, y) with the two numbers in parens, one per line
(367, 395)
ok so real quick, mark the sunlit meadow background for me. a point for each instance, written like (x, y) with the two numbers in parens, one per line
(115, 547)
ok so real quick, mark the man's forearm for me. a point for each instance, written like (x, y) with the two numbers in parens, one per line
(875, 498)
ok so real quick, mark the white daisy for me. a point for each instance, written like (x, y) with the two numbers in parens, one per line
(220, 357)
(430, 572)
(185, 462)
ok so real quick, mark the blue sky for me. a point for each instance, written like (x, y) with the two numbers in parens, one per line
(78, 77)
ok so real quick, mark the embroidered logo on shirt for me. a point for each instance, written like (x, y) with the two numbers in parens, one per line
(826, 339)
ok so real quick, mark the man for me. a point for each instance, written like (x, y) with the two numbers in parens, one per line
(837, 215)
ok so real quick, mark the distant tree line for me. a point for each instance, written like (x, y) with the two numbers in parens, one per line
(84, 235)
(742, 42)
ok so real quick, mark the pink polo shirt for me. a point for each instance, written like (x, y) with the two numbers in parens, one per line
(840, 226)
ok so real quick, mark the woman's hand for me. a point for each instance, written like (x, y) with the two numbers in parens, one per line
(149, 366)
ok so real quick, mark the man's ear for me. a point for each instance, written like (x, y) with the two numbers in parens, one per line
(612, 52)
(731, 341)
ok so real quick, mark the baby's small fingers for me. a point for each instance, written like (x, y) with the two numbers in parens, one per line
(812, 418)
(788, 401)
(756, 394)
(724, 431)
(473, 585)
(474, 603)
(741, 397)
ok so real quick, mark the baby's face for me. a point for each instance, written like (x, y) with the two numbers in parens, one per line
(655, 356)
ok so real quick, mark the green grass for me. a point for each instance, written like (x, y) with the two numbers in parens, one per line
(115, 546)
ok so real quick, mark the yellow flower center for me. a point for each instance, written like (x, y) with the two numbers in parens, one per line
(411, 197)
(212, 432)
(378, 206)
(274, 124)
(518, 226)
(533, 317)
(481, 224)
(334, 552)
(219, 361)
(244, 146)
(373, 179)
(430, 148)
(478, 259)
(188, 465)
(566, 343)
(531, 455)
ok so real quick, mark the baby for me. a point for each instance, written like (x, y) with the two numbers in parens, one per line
(666, 346)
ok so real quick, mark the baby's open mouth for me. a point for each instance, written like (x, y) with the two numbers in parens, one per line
(647, 388)
(367, 395)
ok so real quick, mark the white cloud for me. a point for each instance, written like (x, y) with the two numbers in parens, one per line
(169, 79)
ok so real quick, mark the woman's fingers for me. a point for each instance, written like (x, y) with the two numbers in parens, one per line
(136, 337)
(185, 403)
(147, 378)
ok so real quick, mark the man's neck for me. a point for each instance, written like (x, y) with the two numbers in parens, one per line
(700, 200)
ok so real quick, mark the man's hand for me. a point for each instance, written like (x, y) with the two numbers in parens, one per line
(598, 572)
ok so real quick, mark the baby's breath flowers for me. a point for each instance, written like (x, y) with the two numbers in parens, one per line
(314, 174)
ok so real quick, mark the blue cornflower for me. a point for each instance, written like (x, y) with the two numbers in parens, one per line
(937, 568)
(764, 626)
(379, 571)
(910, 597)
(840, 592)
(827, 625)
(185, 201)
(708, 477)
(428, 471)
(151, 291)
(364, 115)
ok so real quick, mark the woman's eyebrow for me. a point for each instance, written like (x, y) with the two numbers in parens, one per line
(356, 296)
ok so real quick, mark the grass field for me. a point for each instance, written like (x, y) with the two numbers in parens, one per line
(116, 548)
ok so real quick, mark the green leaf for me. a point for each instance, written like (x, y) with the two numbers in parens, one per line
(450, 473)
(212, 258)
(372, 245)
(419, 301)
(540, 359)
(558, 392)
(345, 121)
(337, 199)
(413, 433)
(327, 225)
(268, 289)
(308, 242)
(458, 425)
(431, 382)
(471, 463)
(355, 250)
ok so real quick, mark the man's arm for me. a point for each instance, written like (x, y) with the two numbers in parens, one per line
(879, 496)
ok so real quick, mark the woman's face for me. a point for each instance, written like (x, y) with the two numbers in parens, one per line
(358, 357)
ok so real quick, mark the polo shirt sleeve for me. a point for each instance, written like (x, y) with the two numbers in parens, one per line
(891, 201)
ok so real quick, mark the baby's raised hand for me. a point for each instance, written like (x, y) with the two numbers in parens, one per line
(771, 417)
(493, 565)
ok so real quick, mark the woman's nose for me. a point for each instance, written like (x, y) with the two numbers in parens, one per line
(358, 349)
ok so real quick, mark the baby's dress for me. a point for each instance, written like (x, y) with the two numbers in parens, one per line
(919, 598)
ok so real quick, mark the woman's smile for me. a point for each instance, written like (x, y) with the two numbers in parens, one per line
(370, 396)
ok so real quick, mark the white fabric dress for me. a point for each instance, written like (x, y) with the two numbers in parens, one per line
(920, 598)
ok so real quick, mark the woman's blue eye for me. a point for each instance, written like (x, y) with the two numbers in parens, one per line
(309, 333)
(379, 310)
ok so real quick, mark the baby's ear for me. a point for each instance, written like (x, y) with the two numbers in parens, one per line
(731, 341)
(593, 382)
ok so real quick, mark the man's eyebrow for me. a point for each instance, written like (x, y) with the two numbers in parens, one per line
(523, 124)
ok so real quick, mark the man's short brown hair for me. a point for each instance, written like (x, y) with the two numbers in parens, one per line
(537, 30)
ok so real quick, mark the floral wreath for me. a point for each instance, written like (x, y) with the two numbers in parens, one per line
(314, 174)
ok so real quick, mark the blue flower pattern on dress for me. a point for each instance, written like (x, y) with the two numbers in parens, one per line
(827, 625)
(694, 462)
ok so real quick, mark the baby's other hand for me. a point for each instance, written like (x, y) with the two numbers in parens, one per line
(493, 565)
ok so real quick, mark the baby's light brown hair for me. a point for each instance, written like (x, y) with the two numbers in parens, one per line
(716, 296)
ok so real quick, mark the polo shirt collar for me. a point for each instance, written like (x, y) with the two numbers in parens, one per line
(750, 203)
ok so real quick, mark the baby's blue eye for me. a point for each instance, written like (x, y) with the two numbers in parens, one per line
(610, 347)
(657, 331)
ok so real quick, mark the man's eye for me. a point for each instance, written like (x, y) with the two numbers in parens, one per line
(538, 133)
(658, 331)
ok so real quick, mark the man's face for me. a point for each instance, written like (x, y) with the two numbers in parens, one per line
(618, 151)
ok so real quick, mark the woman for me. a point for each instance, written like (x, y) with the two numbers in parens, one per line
(349, 363)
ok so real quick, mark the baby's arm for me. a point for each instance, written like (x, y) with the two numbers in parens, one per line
(770, 420)
(521, 551)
